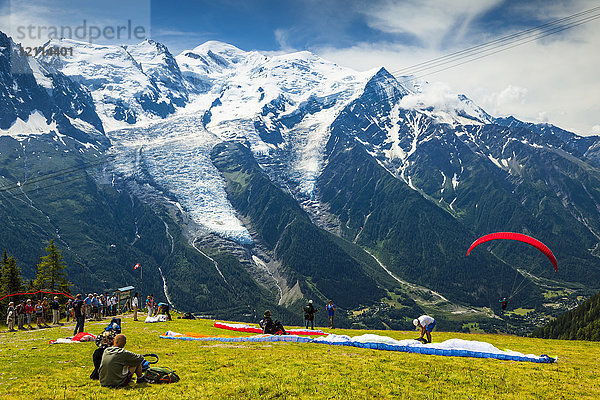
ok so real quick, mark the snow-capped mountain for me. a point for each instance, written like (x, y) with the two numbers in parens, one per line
(125, 90)
(35, 100)
(252, 155)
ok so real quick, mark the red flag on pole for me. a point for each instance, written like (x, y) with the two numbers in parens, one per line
(137, 266)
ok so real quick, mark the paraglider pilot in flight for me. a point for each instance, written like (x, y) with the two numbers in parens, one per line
(503, 302)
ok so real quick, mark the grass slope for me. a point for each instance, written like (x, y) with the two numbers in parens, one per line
(30, 368)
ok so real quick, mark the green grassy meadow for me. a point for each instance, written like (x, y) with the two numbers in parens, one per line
(30, 368)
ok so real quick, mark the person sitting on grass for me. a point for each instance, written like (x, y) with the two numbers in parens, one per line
(118, 365)
(271, 327)
(426, 323)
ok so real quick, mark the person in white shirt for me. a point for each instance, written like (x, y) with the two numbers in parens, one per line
(113, 302)
(426, 323)
(134, 305)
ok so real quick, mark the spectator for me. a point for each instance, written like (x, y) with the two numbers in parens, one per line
(100, 306)
(39, 313)
(134, 305)
(113, 304)
(45, 312)
(118, 365)
(88, 305)
(94, 306)
(105, 307)
(55, 311)
(10, 316)
(79, 314)
(29, 312)
(69, 308)
(330, 313)
(20, 311)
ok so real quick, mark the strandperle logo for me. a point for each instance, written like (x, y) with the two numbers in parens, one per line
(83, 32)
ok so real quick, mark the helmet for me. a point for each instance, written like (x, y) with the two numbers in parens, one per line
(415, 322)
(310, 302)
(267, 313)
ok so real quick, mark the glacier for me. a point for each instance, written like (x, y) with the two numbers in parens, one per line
(165, 113)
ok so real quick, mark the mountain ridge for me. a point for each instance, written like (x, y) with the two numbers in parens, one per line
(371, 163)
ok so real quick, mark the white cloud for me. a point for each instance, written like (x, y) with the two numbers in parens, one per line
(596, 129)
(437, 95)
(505, 102)
(557, 76)
(282, 38)
(429, 20)
(542, 117)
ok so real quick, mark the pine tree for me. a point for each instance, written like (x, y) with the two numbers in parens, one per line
(50, 271)
(10, 276)
(10, 281)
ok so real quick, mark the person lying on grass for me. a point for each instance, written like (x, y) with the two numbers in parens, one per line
(118, 365)
(426, 323)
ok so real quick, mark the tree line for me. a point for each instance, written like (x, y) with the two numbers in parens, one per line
(581, 323)
(50, 276)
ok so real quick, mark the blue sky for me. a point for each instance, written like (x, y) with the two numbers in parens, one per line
(551, 80)
(256, 25)
(309, 24)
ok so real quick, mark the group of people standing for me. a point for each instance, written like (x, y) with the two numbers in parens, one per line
(20, 314)
(27, 310)
(98, 306)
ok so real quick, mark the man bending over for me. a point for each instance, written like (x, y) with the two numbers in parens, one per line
(118, 365)
(426, 324)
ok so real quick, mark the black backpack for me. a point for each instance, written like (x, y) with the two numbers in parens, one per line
(161, 375)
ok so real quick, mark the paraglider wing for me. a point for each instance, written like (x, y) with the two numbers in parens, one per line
(521, 238)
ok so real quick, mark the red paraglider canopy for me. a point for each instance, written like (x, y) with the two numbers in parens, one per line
(521, 238)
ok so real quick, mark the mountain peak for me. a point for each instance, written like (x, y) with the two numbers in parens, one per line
(223, 49)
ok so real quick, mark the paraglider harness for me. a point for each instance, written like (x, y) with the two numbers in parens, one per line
(309, 312)
(107, 337)
(272, 328)
(187, 315)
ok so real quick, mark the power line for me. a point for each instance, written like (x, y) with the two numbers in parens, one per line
(508, 42)
(538, 30)
(445, 64)
(496, 51)
(57, 174)
(35, 189)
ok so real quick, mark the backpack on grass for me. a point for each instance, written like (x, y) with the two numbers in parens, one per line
(161, 375)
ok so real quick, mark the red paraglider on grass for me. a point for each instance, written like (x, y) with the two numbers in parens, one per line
(521, 238)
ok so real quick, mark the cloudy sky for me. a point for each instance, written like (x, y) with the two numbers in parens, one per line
(554, 79)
